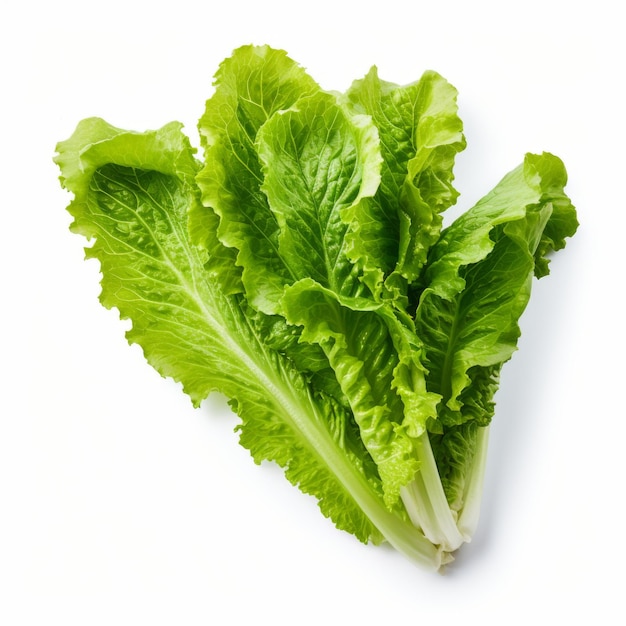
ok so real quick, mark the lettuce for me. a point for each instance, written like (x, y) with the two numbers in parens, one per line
(301, 269)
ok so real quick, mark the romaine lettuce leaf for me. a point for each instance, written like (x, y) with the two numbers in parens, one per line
(420, 136)
(318, 163)
(479, 276)
(478, 284)
(251, 85)
(133, 192)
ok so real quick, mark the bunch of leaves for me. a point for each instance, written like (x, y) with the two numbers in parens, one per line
(301, 269)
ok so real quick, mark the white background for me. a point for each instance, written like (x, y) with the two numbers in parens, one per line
(120, 504)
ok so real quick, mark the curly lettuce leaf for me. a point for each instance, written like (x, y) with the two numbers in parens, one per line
(132, 194)
(479, 275)
(420, 136)
(478, 284)
(250, 86)
(356, 339)
(318, 163)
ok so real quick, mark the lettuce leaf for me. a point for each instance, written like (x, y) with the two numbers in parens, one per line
(318, 164)
(251, 86)
(133, 192)
(420, 136)
(478, 284)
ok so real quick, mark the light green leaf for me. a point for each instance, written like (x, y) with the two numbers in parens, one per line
(478, 280)
(376, 362)
(251, 86)
(477, 286)
(420, 135)
(357, 345)
(318, 165)
(190, 331)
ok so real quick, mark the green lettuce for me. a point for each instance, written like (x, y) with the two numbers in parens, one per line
(300, 268)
